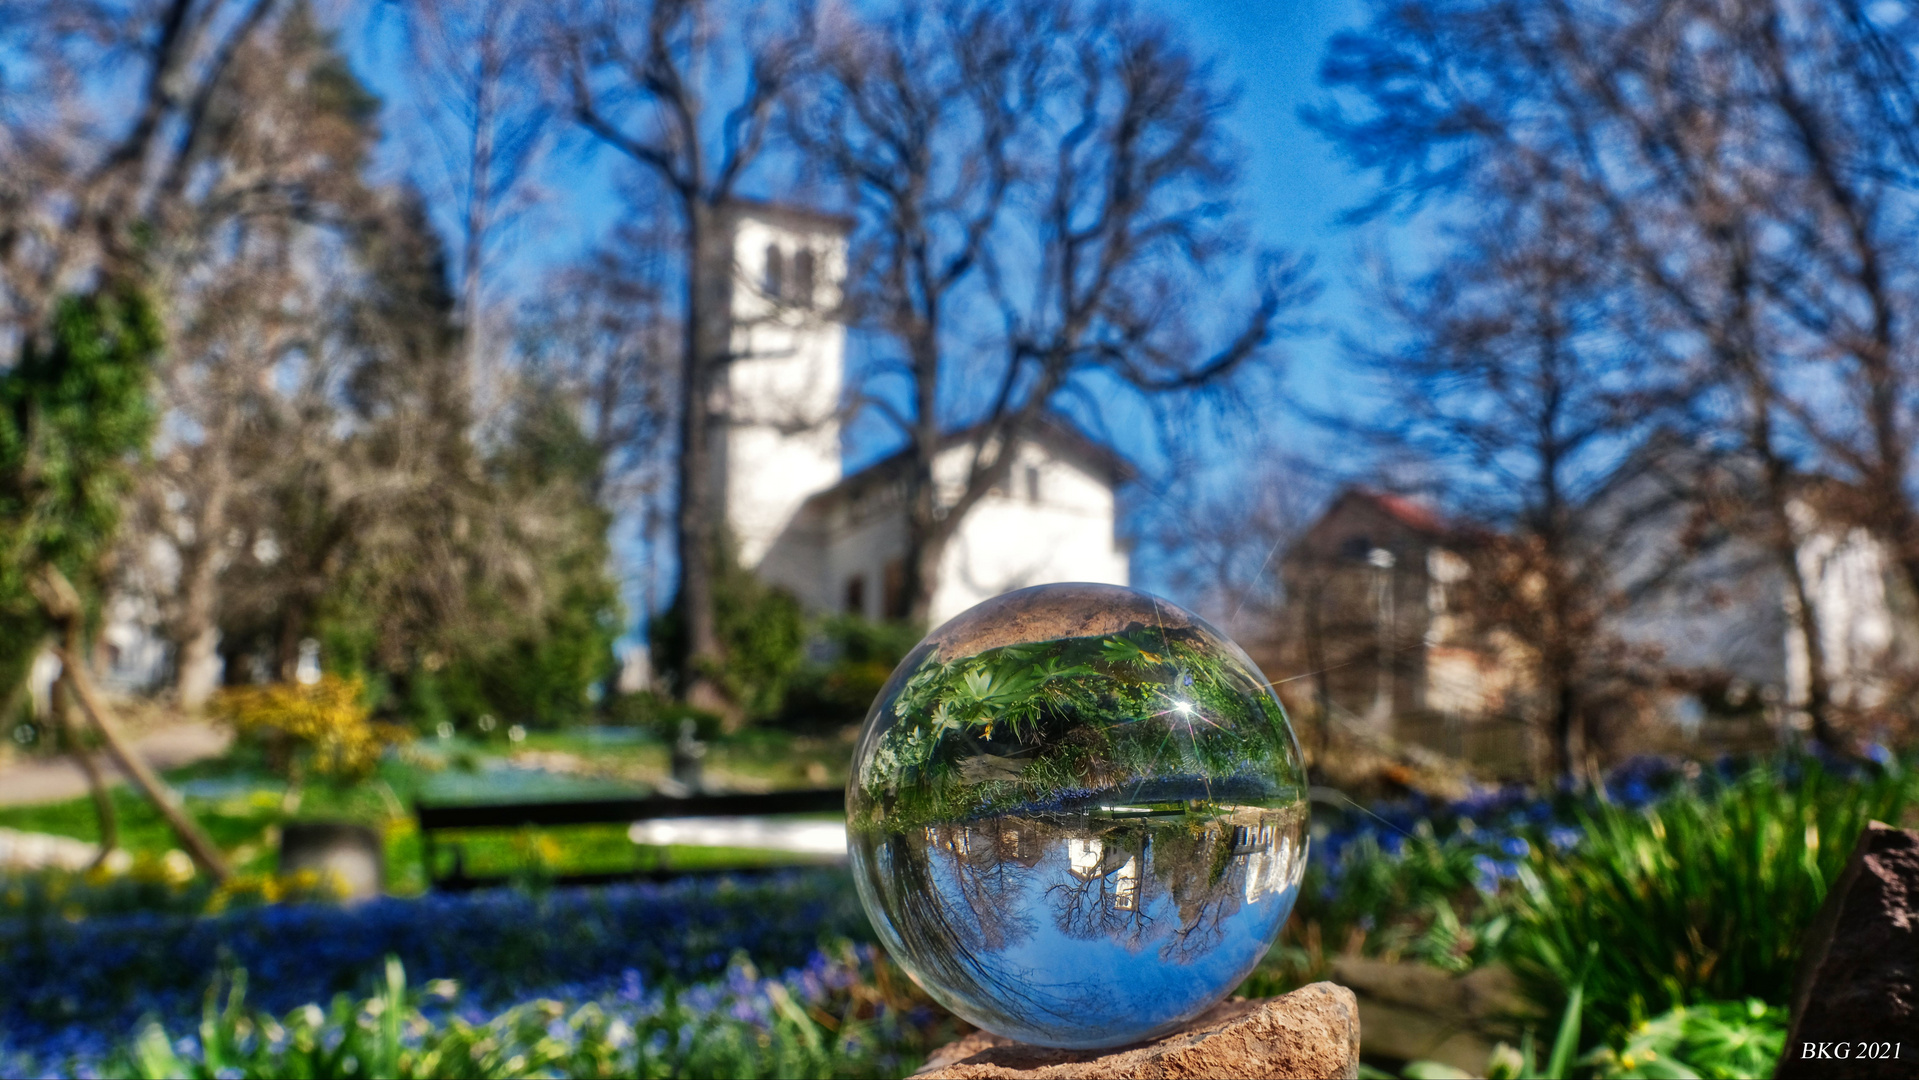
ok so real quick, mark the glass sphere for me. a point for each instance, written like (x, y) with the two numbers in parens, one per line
(1077, 815)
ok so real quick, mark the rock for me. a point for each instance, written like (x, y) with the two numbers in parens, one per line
(1311, 1032)
(1855, 1005)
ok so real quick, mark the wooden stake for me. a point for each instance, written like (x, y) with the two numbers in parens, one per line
(62, 604)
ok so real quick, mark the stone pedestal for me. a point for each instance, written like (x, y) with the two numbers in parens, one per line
(1311, 1032)
(353, 856)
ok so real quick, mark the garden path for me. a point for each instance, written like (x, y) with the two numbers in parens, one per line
(25, 783)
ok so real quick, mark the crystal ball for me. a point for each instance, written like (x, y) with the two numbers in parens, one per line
(1077, 815)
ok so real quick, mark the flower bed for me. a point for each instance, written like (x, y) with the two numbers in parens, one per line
(840, 1015)
(80, 986)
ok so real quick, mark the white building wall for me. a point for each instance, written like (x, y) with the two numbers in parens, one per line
(783, 443)
(1012, 540)
(863, 548)
(1845, 573)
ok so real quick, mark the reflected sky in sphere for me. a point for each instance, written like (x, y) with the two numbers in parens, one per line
(1077, 815)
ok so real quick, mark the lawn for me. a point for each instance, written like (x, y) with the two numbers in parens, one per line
(241, 804)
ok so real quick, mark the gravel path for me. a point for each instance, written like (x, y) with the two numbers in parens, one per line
(56, 779)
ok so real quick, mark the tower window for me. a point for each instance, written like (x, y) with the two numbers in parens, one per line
(856, 595)
(774, 277)
(803, 277)
(1032, 483)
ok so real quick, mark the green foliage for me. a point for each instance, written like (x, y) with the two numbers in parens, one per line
(659, 715)
(529, 657)
(761, 630)
(74, 417)
(542, 674)
(1716, 1040)
(400, 1033)
(1701, 896)
(864, 654)
(1412, 901)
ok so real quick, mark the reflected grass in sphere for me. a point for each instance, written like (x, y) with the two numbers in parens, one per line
(1077, 815)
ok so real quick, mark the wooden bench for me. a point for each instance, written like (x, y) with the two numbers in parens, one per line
(517, 815)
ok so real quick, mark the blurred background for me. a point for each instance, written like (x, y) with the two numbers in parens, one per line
(437, 436)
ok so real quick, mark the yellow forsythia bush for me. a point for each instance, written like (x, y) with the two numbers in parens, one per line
(325, 727)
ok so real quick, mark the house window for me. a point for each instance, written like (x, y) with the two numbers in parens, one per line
(893, 589)
(774, 276)
(856, 595)
(803, 277)
(1032, 483)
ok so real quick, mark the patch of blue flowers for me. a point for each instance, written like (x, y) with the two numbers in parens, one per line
(1499, 825)
(72, 989)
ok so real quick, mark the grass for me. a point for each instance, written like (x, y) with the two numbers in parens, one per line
(243, 820)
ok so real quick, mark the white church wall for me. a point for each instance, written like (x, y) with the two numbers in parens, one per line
(862, 549)
(1013, 539)
(1052, 522)
(783, 443)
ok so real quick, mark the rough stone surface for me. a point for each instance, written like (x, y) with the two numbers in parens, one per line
(1311, 1032)
(1858, 982)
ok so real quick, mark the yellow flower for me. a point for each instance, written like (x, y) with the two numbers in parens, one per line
(328, 720)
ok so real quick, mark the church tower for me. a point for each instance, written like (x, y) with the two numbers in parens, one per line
(781, 441)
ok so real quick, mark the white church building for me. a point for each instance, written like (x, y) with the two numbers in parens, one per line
(837, 541)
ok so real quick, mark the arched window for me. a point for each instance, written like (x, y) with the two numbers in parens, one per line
(773, 277)
(803, 277)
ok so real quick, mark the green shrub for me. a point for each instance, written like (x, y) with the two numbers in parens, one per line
(761, 631)
(863, 655)
(1701, 896)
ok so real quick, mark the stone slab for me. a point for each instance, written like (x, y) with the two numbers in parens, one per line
(1855, 1003)
(1311, 1032)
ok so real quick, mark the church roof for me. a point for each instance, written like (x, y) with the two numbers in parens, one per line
(792, 215)
(1054, 433)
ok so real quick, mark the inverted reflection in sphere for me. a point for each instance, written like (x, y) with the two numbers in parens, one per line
(1077, 815)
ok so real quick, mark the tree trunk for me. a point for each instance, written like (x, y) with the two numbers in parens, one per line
(925, 547)
(1315, 626)
(1565, 721)
(196, 631)
(925, 550)
(704, 349)
(1802, 611)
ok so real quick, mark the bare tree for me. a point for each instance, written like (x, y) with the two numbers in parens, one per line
(646, 79)
(1748, 165)
(74, 180)
(605, 332)
(1513, 375)
(287, 136)
(486, 125)
(1041, 188)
